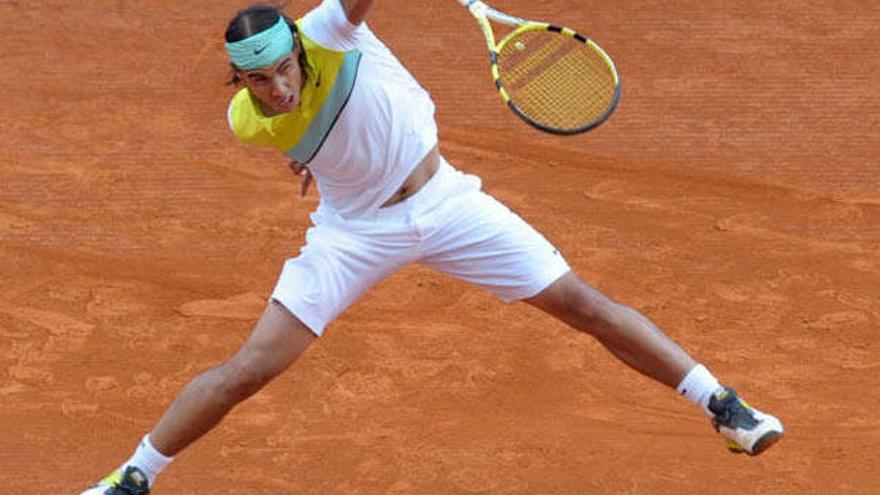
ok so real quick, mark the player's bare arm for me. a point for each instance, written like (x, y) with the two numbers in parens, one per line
(356, 10)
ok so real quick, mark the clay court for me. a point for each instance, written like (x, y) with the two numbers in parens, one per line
(734, 198)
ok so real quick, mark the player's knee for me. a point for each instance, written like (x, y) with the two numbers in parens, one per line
(241, 380)
(595, 312)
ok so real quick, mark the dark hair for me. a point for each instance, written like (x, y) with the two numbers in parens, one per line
(256, 19)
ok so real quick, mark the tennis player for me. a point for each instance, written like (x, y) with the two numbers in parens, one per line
(337, 103)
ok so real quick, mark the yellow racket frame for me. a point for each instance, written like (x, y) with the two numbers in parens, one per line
(483, 14)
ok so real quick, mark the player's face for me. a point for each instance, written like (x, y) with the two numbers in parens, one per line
(278, 85)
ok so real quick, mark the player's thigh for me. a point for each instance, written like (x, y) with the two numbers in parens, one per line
(336, 266)
(483, 242)
(276, 341)
(573, 300)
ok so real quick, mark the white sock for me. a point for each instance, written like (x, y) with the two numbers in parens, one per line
(698, 387)
(148, 459)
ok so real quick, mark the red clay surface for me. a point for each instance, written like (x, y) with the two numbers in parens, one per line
(734, 198)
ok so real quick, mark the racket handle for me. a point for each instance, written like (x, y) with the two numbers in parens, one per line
(466, 3)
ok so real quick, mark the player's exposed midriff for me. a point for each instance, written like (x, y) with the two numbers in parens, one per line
(417, 178)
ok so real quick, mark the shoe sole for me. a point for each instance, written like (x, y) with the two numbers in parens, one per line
(763, 443)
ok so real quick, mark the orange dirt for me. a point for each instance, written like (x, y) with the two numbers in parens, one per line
(733, 198)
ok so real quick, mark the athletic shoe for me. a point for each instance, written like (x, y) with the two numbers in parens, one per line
(131, 482)
(745, 428)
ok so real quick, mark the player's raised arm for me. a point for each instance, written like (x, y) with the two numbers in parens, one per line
(356, 10)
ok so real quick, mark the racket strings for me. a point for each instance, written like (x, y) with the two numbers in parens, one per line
(556, 80)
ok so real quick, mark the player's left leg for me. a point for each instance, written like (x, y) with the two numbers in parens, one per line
(622, 330)
(639, 343)
(471, 236)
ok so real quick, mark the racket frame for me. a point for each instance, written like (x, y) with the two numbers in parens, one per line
(483, 13)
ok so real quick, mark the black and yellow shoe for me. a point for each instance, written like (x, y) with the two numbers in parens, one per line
(132, 481)
(745, 428)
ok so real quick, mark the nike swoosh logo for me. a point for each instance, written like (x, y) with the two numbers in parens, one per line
(258, 51)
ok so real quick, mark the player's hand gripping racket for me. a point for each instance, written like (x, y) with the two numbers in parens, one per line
(552, 77)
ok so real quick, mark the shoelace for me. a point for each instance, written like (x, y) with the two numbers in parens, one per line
(733, 414)
(127, 487)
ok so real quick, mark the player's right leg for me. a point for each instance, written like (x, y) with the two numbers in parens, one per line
(339, 262)
(278, 339)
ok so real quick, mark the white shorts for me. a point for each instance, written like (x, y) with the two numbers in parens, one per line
(449, 225)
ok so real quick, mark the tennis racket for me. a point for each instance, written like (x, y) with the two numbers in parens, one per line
(554, 78)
